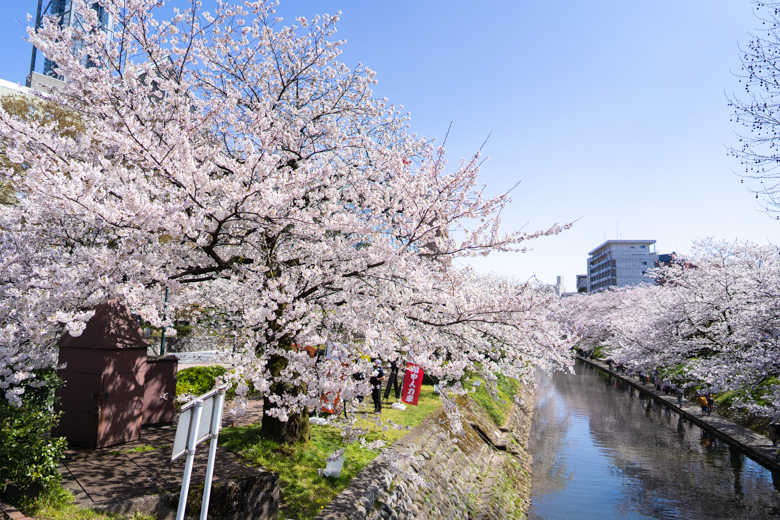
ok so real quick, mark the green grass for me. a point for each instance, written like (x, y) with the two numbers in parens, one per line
(140, 449)
(58, 504)
(497, 410)
(303, 493)
(758, 394)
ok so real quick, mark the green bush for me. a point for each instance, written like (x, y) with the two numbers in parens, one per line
(29, 456)
(199, 380)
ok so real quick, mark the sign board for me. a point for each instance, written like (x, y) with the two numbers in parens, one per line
(204, 425)
(413, 377)
(200, 420)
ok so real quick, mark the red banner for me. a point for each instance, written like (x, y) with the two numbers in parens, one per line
(410, 392)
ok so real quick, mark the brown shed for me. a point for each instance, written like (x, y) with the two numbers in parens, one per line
(103, 393)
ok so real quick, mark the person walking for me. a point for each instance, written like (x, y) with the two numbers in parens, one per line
(679, 396)
(774, 429)
(710, 403)
(376, 386)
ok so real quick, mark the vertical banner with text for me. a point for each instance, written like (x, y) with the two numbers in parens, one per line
(410, 392)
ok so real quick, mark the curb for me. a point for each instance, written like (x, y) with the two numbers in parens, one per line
(12, 512)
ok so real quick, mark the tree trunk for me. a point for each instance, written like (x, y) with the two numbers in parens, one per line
(296, 429)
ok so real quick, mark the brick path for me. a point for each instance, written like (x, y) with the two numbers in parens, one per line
(118, 472)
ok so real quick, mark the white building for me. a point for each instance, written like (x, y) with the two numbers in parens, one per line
(559, 287)
(617, 263)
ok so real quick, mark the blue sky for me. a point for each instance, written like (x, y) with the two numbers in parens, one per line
(609, 112)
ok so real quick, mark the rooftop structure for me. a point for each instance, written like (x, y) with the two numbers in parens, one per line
(36, 82)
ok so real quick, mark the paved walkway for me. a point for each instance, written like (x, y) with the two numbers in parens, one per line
(754, 445)
(144, 466)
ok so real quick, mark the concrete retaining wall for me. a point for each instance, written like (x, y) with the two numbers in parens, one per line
(484, 474)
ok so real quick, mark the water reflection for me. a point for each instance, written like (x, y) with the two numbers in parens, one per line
(602, 450)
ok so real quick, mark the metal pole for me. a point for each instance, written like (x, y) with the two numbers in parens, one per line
(192, 437)
(165, 309)
(216, 420)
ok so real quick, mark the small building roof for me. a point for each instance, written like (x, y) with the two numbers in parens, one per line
(7, 88)
(112, 327)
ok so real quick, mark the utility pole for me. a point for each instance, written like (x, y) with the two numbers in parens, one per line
(165, 310)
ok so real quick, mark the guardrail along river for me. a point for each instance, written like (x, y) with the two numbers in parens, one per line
(603, 450)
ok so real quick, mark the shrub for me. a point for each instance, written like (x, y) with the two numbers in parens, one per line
(199, 380)
(29, 456)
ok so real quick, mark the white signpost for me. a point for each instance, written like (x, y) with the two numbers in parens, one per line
(200, 420)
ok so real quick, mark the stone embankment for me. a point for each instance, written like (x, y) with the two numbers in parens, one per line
(483, 474)
(754, 445)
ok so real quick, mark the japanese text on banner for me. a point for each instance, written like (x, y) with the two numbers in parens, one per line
(410, 392)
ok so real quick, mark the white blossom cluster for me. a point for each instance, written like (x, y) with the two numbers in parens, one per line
(237, 163)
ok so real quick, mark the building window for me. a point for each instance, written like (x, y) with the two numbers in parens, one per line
(644, 263)
(641, 247)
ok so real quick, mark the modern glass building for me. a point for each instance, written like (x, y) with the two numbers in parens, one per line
(69, 16)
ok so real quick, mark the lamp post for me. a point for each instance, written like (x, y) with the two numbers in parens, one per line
(162, 337)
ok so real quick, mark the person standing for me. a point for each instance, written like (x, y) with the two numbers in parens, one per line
(376, 386)
(679, 396)
(710, 403)
(392, 381)
(702, 401)
(359, 376)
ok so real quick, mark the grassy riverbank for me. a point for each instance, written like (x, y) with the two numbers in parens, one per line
(497, 410)
(303, 493)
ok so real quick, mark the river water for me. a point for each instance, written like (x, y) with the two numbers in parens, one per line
(602, 450)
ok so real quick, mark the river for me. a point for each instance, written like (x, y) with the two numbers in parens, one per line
(602, 450)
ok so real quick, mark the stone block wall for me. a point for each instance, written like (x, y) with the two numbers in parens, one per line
(483, 474)
(254, 496)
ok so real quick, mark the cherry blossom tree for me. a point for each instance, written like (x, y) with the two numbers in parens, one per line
(715, 320)
(726, 318)
(757, 108)
(238, 163)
